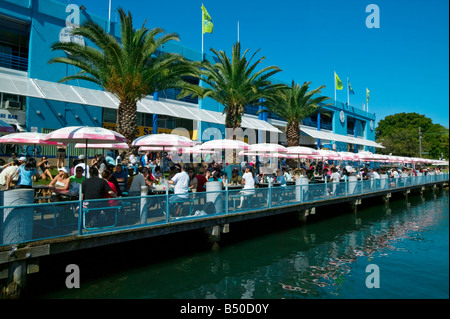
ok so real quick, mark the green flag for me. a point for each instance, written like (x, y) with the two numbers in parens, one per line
(339, 85)
(207, 21)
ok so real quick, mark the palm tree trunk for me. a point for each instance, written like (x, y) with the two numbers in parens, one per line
(126, 123)
(293, 133)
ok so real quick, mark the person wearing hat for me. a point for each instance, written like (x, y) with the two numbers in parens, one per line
(81, 162)
(60, 184)
(26, 172)
(75, 181)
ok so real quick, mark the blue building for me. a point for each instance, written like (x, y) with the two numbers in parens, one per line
(32, 100)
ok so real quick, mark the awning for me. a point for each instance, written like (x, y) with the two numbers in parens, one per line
(73, 94)
(326, 135)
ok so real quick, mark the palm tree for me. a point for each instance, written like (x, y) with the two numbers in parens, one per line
(295, 104)
(235, 84)
(130, 70)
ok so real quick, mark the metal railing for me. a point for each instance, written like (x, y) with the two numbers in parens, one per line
(31, 222)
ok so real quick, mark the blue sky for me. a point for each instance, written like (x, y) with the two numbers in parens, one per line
(404, 63)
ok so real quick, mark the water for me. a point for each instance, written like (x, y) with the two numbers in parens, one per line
(277, 259)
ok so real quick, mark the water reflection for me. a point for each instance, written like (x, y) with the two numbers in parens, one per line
(322, 259)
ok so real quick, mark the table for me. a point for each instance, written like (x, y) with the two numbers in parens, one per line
(267, 184)
(232, 187)
(42, 193)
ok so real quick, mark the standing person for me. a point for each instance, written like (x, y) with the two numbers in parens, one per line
(12, 158)
(60, 156)
(201, 180)
(10, 169)
(335, 179)
(181, 189)
(26, 173)
(249, 184)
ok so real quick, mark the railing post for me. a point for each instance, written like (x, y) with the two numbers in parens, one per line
(270, 193)
(226, 196)
(346, 187)
(326, 187)
(166, 184)
(80, 211)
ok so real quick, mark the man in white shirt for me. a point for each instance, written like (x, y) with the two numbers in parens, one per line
(249, 184)
(10, 169)
(181, 189)
(83, 165)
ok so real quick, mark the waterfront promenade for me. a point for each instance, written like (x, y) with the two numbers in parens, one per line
(30, 231)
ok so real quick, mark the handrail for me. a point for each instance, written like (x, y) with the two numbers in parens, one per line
(48, 219)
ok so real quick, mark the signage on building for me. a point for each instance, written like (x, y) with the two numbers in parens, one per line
(16, 117)
(72, 21)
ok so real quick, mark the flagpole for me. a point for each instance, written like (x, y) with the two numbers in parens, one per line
(109, 17)
(348, 93)
(334, 88)
(202, 33)
(367, 100)
(238, 30)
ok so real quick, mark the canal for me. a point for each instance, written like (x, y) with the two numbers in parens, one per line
(276, 258)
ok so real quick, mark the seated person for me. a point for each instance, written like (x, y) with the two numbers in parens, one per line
(138, 181)
(60, 185)
(235, 178)
(122, 178)
(75, 182)
(43, 169)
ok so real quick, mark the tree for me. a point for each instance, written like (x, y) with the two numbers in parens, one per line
(399, 134)
(130, 70)
(295, 104)
(235, 84)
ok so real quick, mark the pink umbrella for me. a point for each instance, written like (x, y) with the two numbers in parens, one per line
(225, 144)
(28, 138)
(327, 154)
(267, 147)
(110, 146)
(348, 156)
(302, 150)
(6, 128)
(159, 148)
(86, 135)
(162, 140)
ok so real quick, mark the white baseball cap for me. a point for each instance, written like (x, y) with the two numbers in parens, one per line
(23, 158)
(64, 170)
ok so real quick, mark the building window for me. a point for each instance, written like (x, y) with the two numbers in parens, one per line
(11, 101)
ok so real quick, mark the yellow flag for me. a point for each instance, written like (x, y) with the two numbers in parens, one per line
(339, 85)
(207, 21)
(367, 95)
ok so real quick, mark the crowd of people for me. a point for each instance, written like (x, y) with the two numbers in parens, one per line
(110, 176)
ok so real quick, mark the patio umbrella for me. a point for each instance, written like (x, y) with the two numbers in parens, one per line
(267, 147)
(28, 138)
(111, 146)
(6, 128)
(163, 140)
(224, 144)
(302, 152)
(327, 154)
(85, 134)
